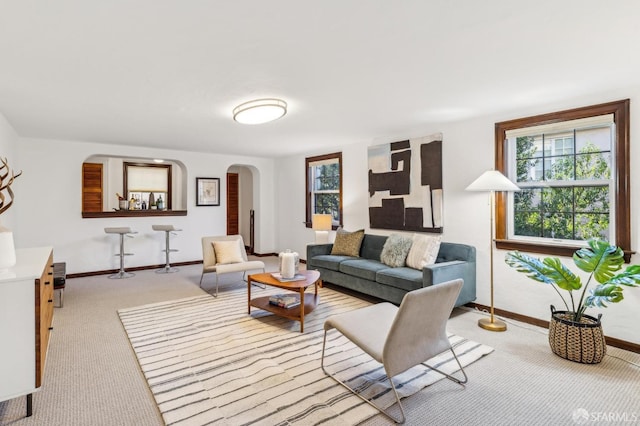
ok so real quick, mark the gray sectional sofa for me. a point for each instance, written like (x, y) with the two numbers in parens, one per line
(367, 274)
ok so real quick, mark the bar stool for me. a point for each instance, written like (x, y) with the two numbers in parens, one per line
(168, 229)
(124, 230)
(59, 279)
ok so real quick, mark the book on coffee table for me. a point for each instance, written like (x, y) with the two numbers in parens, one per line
(278, 276)
(285, 300)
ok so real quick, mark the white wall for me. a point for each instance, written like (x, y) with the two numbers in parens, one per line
(48, 207)
(468, 150)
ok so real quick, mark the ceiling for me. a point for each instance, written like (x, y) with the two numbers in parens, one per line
(167, 73)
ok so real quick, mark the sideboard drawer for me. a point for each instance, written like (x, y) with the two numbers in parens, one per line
(44, 318)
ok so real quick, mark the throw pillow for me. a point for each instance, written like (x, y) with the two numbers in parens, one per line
(395, 250)
(348, 243)
(227, 252)
(424, 250)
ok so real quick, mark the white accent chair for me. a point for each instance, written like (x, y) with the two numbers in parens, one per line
(400, 338)
(209, 263)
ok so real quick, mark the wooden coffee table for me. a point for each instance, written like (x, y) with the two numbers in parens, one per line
(312, 278)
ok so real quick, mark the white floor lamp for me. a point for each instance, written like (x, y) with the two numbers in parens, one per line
(492, 181)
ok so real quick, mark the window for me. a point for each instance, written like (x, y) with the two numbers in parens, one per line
(573, 169)
(324, 187)
(146, 184)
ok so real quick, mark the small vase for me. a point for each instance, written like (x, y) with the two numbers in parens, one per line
(7, 249)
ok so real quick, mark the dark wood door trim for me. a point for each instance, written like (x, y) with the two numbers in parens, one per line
(233, 204)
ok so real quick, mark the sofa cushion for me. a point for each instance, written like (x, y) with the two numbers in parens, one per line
(372, 246)
(329, 261)
(347, 243)
(363, 268)
(404, 278)
(424, 251)
(395, 250)
(227, 252)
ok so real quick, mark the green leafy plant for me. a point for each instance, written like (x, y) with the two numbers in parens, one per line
(600, 259)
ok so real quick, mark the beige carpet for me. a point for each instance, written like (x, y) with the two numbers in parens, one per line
(208, 362)
(92, 376)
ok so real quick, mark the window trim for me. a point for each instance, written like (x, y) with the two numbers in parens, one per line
(307, 163)
(125, 183)
(620, 111)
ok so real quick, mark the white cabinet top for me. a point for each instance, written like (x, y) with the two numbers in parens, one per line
(29, 264)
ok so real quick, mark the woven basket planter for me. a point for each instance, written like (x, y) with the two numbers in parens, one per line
(580, 342)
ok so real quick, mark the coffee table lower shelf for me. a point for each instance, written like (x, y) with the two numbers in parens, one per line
(308, 302)
(295, 313)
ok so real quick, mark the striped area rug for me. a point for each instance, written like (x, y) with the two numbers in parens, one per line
(207, 362)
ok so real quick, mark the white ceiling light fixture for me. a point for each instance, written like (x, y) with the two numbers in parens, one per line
(259, 111)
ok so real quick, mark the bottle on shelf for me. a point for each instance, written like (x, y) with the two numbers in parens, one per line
(160, 203)
(132, 203)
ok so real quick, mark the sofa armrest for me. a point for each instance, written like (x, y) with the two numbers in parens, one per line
(456, 251)
(318, 249)
(447, 271)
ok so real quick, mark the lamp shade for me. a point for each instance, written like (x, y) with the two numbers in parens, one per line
(321, 222)
(492, 180)
(259, 111)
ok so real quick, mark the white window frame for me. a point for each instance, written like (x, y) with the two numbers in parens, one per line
(566, 127)
(310, 164)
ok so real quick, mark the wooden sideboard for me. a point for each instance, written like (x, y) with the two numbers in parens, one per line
(26, 314)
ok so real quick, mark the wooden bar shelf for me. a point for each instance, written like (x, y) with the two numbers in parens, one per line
(134, 213)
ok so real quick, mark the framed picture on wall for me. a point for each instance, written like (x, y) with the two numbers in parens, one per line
(207, 191)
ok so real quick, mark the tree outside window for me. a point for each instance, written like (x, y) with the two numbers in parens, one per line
(565, 181)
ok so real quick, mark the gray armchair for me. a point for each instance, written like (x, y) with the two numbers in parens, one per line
(400, 338)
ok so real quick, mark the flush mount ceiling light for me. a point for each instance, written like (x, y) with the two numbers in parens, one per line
(259, 111)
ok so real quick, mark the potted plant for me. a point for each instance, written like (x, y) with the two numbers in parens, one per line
(573, 334)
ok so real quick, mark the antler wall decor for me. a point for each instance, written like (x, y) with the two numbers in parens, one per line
(7, 177)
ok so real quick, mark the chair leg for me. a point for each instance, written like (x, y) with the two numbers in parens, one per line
(244, 278)
(449, 376)
(61, 297)
(201, 277)
(262, 286)
(384, 412)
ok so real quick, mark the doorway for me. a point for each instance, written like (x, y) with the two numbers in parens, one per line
(240, 203)
(233, 203)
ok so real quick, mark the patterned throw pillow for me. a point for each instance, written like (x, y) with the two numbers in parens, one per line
(348, 243)
(395, 250)
(227, 252)
(424, 250)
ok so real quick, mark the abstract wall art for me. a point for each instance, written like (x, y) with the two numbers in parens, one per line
(405, 185)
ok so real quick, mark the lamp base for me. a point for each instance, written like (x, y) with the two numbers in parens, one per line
(492, 325)
(322, 237)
